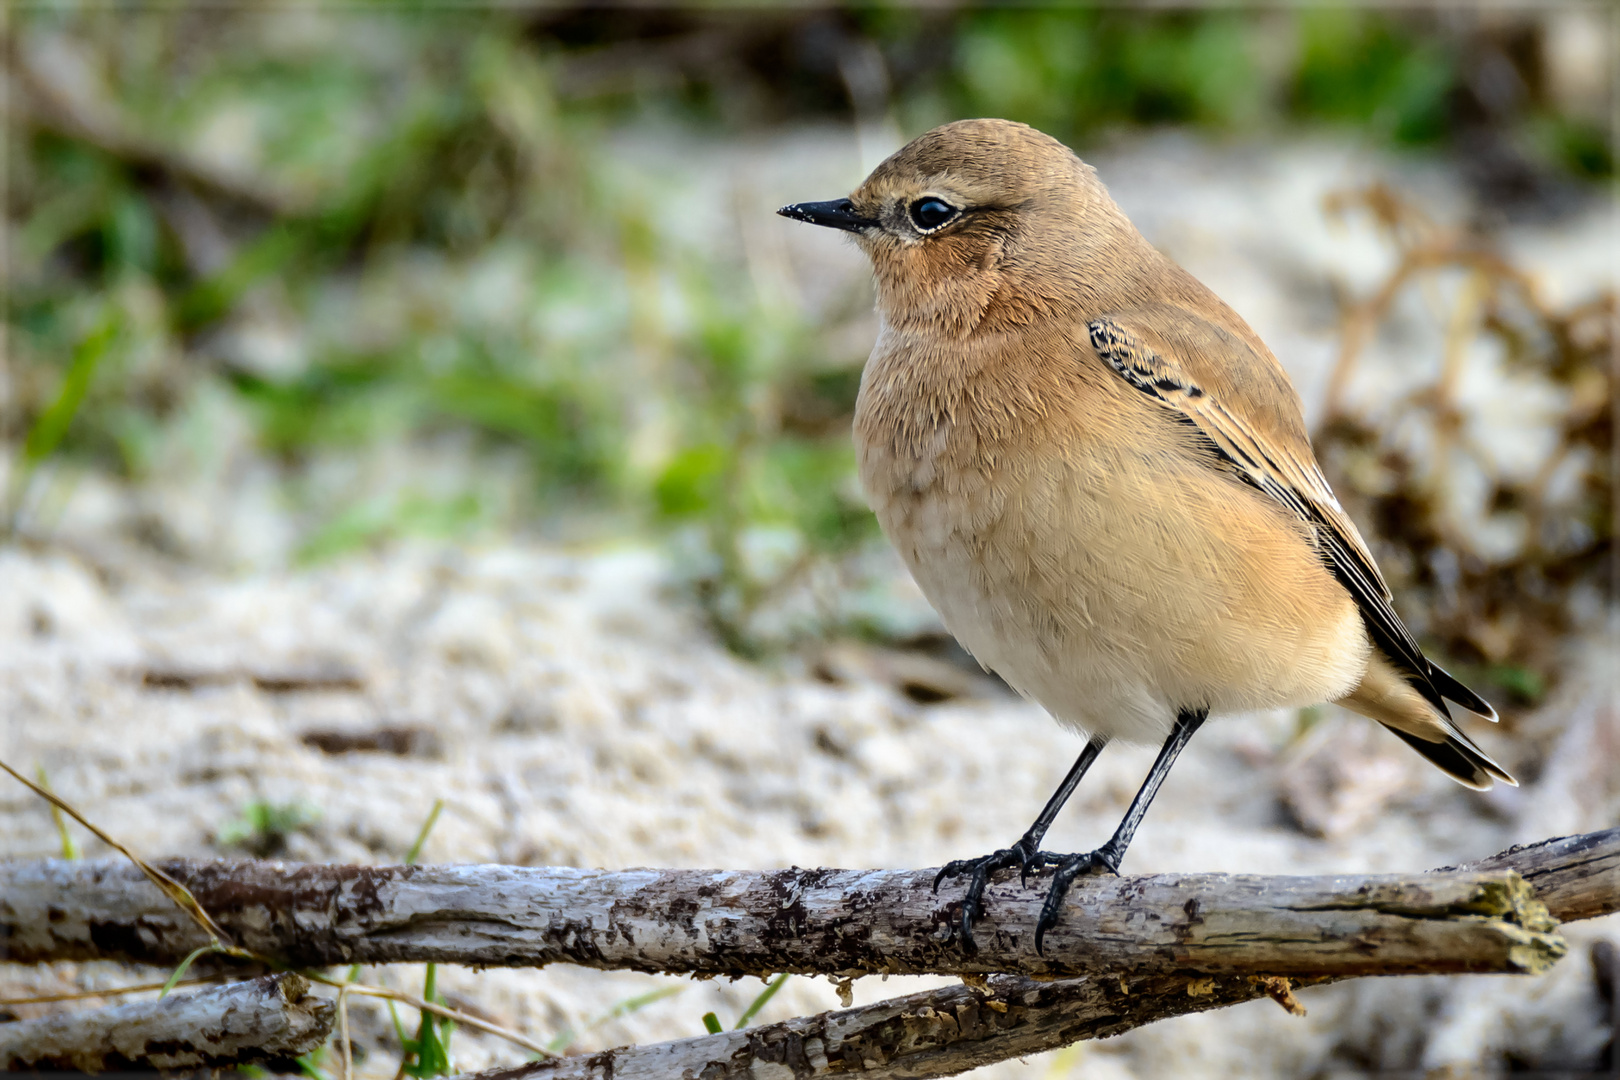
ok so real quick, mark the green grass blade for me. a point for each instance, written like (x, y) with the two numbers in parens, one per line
(307, 1066)
(565, 1038)
(421, 837)
(52, 425)
(70, 849)
(406, 1043)
(637, 1003)
(185, 965)
(432, 1038)
(759, 1003)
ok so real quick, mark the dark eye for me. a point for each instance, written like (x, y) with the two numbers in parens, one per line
(930, 213)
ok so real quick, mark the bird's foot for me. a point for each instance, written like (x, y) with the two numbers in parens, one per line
(1105, 860)
(1024, 855)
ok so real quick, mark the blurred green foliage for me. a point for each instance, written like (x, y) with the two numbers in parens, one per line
(264, 827)
(417, 245)
(1074, 70)
(1359, 69)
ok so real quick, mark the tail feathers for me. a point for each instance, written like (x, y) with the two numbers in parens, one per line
(1386, 695)
(1452, 690)
(1458, 757)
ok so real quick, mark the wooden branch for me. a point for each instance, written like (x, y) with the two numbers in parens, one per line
(731, 923)
(935, 1033)
(1577, 877)
(274, 1017)
(950, 1030)
(816, 921)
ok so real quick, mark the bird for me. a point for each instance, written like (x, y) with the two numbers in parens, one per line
(1101, 479)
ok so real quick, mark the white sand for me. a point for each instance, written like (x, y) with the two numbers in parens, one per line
(582, 718)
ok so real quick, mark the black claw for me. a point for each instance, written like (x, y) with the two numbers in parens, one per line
(970, 911)
(1069, 868)
(1034, 863)
(958, 867)
(979, 872)
(1066, 872)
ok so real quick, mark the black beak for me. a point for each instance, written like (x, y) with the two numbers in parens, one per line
(838, 214)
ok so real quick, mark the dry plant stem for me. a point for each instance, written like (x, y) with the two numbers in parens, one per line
(176, 893)
(181, 897)
(465, 1019)
(818, 922)
(267, 1018)
(343, 1032)
(1362, 319)
(117, 991)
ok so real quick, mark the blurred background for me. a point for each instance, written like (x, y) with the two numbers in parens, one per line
(362, 361)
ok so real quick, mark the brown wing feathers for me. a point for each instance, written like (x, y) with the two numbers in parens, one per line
(1299, 486)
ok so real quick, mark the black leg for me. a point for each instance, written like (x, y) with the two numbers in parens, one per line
(1109, 855)
(1026, 854)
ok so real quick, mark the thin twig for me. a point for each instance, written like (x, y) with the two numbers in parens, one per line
(81, 995)
(457, 1015)
(343, 1030)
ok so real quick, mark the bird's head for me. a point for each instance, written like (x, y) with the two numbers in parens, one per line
(978, 224)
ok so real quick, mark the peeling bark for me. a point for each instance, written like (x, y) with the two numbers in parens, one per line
(934, 1033)
(951, 1030)
(270, 1018)
(842, 922)
(1153, 947)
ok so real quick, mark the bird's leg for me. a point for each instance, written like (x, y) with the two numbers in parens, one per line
(1107, 857)
(1026, 854)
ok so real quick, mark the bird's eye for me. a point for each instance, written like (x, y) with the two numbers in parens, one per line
(930, 213)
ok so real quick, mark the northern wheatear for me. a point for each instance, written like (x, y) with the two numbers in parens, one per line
(1101, 479)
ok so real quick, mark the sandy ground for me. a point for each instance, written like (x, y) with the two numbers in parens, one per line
(569, 712)
(569, 709)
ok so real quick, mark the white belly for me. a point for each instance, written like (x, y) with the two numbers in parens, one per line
(1113, 616)
(1083, 682)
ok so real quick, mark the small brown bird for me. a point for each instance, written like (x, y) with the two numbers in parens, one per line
(1101, 479)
